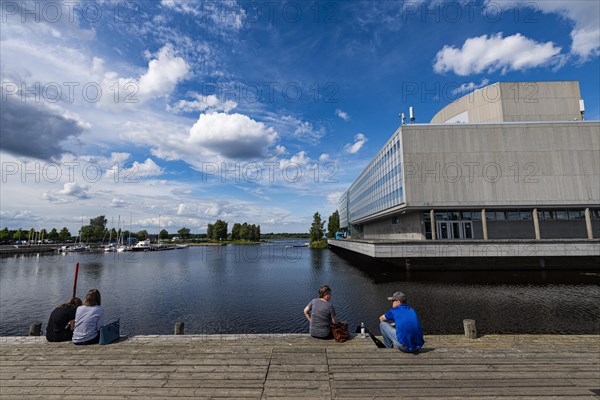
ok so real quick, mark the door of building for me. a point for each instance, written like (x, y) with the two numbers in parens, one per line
(455, 230)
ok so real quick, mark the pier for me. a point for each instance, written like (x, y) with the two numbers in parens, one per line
(476, 254)
(296, 366)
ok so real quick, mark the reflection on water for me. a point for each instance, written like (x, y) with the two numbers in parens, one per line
(263, 289)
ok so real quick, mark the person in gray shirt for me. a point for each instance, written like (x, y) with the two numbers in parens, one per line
(89, 318)
(321, 314)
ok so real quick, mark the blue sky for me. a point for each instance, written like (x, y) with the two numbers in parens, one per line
(258, 112)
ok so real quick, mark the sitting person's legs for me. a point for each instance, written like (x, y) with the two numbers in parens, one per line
(389, 335)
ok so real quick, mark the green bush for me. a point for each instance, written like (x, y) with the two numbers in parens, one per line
(318, 244)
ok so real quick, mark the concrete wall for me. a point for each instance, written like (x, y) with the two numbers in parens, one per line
(518, 165)
(483, 105)
(409, 227)
(515, 102)
(540, 101)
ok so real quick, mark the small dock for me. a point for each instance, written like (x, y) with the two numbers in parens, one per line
(296, 366)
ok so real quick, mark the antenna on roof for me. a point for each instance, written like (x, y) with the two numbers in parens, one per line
(411, 113)
(403, 118)
(582, 109)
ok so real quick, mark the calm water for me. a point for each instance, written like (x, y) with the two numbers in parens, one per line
(264, 288)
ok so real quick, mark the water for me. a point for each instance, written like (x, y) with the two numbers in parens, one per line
(264, 288)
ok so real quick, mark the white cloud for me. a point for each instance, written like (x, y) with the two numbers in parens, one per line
(324, 157)
(469, 87)
(233, 136)
(118, 203)
(279, 150)
(223, 14)
(584, 14)
(343, 115)
(71, 191)
(203, 103)
(334, 198)
(299, 159)
(143, 170)
(491, 53)
(298, 129)
(163, 74)
(359, 141)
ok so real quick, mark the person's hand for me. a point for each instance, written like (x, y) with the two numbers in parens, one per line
(72, 324)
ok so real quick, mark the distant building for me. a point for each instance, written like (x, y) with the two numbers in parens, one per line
(513, 160)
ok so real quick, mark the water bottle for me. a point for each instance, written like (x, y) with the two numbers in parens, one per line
(362, 330)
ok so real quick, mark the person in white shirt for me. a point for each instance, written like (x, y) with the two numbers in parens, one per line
(89, 318)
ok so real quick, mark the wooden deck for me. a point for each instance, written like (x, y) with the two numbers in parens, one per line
(300, 367)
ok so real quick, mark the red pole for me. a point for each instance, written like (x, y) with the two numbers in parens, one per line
(75, 279)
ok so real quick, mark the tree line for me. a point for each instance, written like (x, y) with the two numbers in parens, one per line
(219, 231)
(317, 233)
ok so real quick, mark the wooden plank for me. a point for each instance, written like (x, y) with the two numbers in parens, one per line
(297, 367)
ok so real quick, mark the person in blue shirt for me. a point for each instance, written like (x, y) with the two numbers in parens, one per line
(407, 336)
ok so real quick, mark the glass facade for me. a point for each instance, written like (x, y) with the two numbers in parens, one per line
(379, 186)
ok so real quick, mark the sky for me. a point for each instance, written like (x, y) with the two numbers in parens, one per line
(170, 114)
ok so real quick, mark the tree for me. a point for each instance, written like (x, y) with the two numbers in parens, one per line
(316, 228)
(163, 234)
(142, 235)
(4, 233)
(64, 234)
(235, 231)
(183, 233)
(95, 231)
(17, 234)
(53, 235)
(245, 232)
(333, 224)
(219, 230)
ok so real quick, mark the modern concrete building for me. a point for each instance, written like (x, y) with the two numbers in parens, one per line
(511, 161)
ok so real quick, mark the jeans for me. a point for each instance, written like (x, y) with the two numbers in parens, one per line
(389, 337)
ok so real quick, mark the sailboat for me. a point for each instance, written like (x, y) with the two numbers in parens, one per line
(111, 247)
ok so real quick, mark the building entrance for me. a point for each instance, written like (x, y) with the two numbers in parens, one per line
(455, 230)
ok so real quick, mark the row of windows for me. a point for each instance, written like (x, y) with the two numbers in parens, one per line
(380, 187)
(393, 173)
(512, 215)
(387, 201)
(376, 166)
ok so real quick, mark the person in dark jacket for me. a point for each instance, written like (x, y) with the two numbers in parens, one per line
(62, 321)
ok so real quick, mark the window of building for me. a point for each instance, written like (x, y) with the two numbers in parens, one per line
(595, 213)
(441, 216)
(466, 215)
(476, 215)
(395, 220)
(500, 216)
(513, 215)
(560, 214)
(576, 214)
(526, 215)
(453, 215)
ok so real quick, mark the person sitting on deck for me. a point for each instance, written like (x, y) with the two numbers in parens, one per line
(89, 318)
(408, 335)
(321, 314)
(62, 321)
